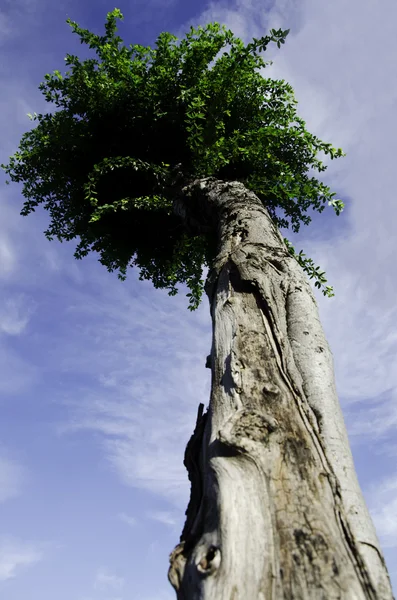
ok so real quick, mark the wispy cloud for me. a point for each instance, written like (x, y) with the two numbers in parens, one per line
(12, 476)
(8, 252)
(7, 256)
(18, 15)
(136, 360)
(160, 595)
(105, 580)
(170, 519)
(15, 555)
(131, 521)
(16, 373)
(378, 420)
(329, 61)
(383, 507)
(5, 26)
(15, 313)
(330, 77)
(103, 598)
(147, 368)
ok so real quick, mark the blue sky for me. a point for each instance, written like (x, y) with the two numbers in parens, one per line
(100, 380)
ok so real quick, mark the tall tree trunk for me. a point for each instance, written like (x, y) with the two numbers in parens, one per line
(276, 511)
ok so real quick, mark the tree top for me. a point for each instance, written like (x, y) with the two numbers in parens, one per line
(135, 124)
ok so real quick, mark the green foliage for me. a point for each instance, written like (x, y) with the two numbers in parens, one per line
(134, 124)
(311, 269)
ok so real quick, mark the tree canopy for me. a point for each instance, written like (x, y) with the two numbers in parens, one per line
(135, 124)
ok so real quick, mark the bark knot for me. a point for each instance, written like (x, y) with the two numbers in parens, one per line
(247, 426)
(210, 562)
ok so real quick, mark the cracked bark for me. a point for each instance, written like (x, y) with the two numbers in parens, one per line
(276, 511)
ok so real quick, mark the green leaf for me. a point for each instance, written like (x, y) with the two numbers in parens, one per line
(134, 124)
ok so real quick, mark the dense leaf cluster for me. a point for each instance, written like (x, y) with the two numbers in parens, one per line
(134, 124)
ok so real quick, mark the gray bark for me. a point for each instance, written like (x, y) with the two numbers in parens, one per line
(276, 511)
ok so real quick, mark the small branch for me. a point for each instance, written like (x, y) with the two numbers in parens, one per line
(191, 529)
(192, 464)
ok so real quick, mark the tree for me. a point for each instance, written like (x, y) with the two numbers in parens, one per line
(182, 157)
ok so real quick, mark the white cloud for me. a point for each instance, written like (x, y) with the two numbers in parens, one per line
(148, 362)
(161, 595)
(15, 313)
(5, 28)
(150, 355)
(145, 448)
(383, 507)
(146, 358)
(7, 256)
(15, 555)
(16, 374)
(131, 521)
(165, 517)
(340, 59)
(19, 15)
(347, 94)
(8, 253)
(105, 580)
(102, 598)
(362, 333)
(378, 421)
(155, 470)
(12, 476)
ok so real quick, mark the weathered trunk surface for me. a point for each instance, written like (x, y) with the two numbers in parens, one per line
(276, 511)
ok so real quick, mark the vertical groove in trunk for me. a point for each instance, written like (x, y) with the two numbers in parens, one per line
(275, 511)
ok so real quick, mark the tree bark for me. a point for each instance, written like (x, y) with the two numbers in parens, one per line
(276, 511)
